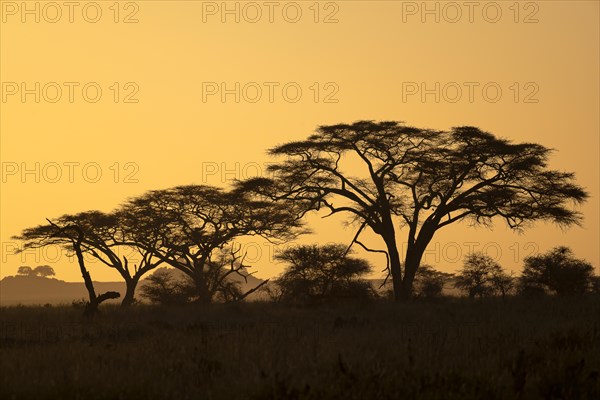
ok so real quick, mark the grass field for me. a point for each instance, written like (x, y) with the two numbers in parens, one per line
(450, 349)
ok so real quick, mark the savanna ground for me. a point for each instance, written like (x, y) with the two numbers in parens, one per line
(448, 349)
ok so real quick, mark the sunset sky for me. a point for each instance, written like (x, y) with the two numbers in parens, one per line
(351, 60)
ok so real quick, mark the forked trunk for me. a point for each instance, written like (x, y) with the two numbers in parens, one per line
(414, 254)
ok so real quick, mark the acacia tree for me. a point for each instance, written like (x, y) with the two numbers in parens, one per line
(44, 271)
(387, 175)
(558, 272)
(316, 273)
(482, 276)
(67, 232)
(103, 236)
(192, 225)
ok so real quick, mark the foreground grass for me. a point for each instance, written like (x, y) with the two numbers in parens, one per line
(545, 348)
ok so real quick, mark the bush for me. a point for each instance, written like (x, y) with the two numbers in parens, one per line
(482, 276)
(556, 272)
(319, 273)
(167, 287)
(43, 271)
(429, 282)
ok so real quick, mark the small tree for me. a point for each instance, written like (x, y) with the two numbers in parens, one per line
(502, 282)
(482, 276)
(172, 286)
(429, 282)
(557, 272)
(25, 270)
(44, 271)
(101, 236)
(316, 273)
(221, 286)
(167, 287)
(68, 233)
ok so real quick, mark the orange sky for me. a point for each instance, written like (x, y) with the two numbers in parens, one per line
(161, 120)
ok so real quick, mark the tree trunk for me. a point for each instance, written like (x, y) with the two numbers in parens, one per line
(87, 279)
(204, 295)
(91, 307)
(414, 255)
(395, 266)
(129, 297)
(411, 264)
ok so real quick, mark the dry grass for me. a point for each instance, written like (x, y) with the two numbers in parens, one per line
(493, 349)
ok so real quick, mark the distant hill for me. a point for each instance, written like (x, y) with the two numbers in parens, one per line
(34, 290)
(31, 290)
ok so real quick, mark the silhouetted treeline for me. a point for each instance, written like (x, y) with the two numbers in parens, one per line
(413, 180)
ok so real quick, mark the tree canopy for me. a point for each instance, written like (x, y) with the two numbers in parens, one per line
(429, 282)
(482, 276)
(315, 273)
(191, 228)
(557, 272)
(104, 236)
(388, 177)
(419, 180)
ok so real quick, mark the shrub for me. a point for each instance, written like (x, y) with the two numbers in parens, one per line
(318, 273)
(429, 282)
(556, 272)
(167, 287)
(482, 276)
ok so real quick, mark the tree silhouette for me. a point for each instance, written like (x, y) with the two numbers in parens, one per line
(104, 238)
(429, 282)
(68, 232)
(43, 271)
(220, 272)
(503, 283)
(189, 227)
(25, 270)
(557, 272)
(165, 287)
(419, 179)
(316, 273)
(482, 276)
